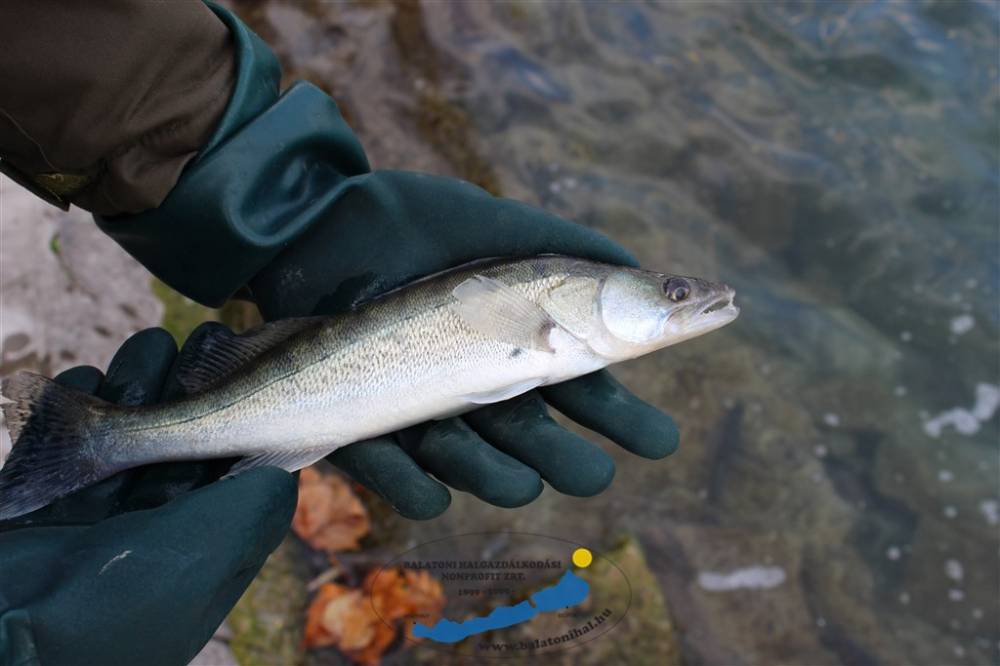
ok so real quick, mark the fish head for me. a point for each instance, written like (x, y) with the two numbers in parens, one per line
(643, 311)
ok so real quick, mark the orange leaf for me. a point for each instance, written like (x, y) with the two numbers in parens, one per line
(315, 634)
(343, 617)
(402, 593)
(329, 516)
(346, 617)
(349, 618)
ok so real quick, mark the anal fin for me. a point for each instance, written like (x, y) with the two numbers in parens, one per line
(287, 460)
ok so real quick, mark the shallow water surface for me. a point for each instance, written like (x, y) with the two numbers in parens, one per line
(835, 499)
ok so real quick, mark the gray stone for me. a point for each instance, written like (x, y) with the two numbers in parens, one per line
(68, 294)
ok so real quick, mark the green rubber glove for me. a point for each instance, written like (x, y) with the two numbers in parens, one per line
(136, 570)
(282, 200)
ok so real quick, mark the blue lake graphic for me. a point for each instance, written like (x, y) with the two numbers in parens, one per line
(569, 591)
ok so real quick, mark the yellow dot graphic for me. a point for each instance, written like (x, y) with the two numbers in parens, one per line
(582, 557)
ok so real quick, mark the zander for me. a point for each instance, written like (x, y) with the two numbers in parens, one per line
(291, 391)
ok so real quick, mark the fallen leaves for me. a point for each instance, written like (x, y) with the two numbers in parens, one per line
(342, 616)
(363, 623)
(399, 594)
(329, 516)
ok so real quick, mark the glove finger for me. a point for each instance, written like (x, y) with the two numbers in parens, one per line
(382, 466)
(196, 554)
(456, 455)
(597, 401)
(522, 428)
(84, 378)
(138, 371)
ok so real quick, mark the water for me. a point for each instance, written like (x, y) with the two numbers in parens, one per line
(838, 164)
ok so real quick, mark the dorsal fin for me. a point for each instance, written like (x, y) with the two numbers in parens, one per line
(214, 352)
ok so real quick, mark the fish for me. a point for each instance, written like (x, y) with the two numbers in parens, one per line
(289, 392)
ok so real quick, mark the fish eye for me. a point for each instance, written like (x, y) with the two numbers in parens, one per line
(676, 289)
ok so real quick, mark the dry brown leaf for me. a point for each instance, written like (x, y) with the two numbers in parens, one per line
(346, 617)
(343, 617)
(315, 634)
(404, 592)
(329, 516)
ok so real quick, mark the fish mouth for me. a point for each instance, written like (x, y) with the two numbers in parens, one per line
(719, 311)
(719, 304)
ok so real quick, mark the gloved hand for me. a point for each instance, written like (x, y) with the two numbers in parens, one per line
(136, 570)
(282, 200)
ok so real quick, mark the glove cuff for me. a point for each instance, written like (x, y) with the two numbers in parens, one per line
(259, 183)
(258, 76)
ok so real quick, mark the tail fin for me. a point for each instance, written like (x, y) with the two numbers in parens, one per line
(53, 455)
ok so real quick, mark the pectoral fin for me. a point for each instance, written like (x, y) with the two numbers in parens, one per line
(492, 308)
(504, 392)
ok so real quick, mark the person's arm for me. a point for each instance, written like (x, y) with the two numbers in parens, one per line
(103, 103)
